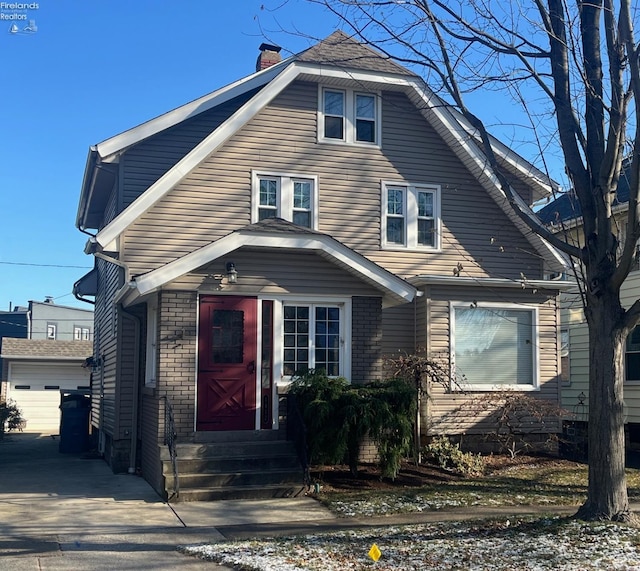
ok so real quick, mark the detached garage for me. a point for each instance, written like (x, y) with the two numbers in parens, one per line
(34, 373)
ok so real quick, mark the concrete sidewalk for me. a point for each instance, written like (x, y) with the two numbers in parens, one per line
(60, 512)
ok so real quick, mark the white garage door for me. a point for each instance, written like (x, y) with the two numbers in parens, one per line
(36, 390)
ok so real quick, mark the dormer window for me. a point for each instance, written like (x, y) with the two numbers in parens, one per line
(348, 116)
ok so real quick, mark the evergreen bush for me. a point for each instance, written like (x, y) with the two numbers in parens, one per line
(10, 417)
(338, 416)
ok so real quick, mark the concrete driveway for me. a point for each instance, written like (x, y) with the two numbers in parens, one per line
(61, 512)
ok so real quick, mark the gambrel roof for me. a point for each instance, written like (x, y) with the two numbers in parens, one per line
(336, 60)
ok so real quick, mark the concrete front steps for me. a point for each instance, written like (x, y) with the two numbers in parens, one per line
(234, 465)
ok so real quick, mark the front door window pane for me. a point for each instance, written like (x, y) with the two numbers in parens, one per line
(227, 336)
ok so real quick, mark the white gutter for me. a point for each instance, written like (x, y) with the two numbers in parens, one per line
(459, 281)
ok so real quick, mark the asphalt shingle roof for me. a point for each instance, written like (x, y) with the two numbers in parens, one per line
(340, 50)
(45, 348)
(566, 206)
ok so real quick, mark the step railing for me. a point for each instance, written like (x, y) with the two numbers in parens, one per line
(170, 436)
(297, 433)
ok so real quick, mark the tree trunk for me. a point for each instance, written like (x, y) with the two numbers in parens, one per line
(607, 493)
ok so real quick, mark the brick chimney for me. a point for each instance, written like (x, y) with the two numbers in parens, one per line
(269, 55)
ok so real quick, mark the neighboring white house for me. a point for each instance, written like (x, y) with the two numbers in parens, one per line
(59, 339)
(563, 217)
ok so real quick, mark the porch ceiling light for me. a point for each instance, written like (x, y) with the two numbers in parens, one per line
(232, 274)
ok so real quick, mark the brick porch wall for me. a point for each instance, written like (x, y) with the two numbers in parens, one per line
(366, 352)
(177, 343)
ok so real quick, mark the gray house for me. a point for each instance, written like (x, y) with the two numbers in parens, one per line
(323, 212)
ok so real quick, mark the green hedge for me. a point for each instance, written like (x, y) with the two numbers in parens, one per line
(338, 416)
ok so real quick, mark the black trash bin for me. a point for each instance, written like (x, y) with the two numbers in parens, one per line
(75, 408)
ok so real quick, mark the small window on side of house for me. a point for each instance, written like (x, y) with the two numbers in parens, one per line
(52, 330)
(564, 356)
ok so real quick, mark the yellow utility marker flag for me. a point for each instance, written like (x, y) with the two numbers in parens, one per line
(375, 552)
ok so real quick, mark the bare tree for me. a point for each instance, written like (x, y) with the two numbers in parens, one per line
(574, 71)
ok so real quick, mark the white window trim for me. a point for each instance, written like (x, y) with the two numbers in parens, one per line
(349, 134)
(411, 216)
(457, 384)
(284, 206)
(151, 347)
(52, 327)
(278, 334)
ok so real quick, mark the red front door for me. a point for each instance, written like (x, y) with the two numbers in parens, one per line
(227, 363)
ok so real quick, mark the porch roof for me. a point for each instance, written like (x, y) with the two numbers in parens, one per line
(275, 233)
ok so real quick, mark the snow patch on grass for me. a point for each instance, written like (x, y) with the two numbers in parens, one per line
(493, 545)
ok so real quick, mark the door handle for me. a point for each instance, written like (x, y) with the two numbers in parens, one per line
(251, 367)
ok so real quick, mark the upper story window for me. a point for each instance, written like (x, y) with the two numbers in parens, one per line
(291, 197)
(349, 117)
(52, 330)
(81, 333)
(410, 216)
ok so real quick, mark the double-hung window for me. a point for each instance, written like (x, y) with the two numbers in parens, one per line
(288, 196)
(349, 116)
(81, 333)
(494, 346)
(410, 216)
(632, 356)
(312, 338)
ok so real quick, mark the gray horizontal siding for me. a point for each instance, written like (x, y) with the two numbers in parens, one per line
(215, 198)
(147, 161)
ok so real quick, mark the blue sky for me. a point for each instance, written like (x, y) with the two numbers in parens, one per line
(92, 70)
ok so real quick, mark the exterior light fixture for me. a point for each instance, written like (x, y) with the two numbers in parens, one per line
(232, 274)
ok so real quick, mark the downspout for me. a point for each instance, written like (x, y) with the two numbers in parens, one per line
(136, 358)
(136, 388)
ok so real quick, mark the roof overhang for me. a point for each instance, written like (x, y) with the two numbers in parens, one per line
(394, 289)
(87, 284)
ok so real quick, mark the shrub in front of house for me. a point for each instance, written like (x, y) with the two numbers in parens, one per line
(10, 417)
(338, 416)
